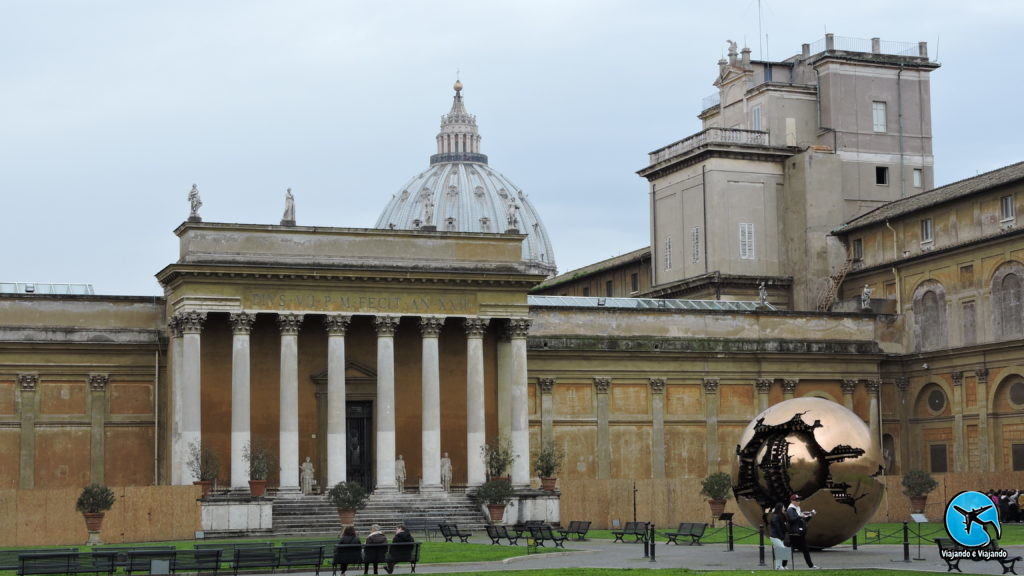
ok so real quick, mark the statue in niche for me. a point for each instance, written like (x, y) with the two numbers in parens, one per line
(194, 201)
(865, 297)
(762, 294)
(446, 473)
(511, 208)
(428, 212)
(289, 208)
(400, 473)
(306, 476)
(354, 453)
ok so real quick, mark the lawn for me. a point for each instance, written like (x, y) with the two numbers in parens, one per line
(632, 571)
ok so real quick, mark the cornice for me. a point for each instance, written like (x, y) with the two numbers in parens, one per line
(698, 345)
(716, 150)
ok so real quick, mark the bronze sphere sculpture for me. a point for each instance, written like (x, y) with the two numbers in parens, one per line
(817, 449)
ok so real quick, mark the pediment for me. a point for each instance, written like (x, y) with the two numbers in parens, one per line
(353, 371)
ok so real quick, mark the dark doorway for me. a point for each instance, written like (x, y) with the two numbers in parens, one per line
(359, 461)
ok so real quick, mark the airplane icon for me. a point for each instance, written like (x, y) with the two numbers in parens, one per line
(972, 516)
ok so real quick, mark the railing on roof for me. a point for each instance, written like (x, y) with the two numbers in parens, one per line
(45, 288)
(647, 303)
(868, 46)
(712, 100)
(710, 136)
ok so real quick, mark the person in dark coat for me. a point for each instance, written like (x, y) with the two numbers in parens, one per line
(777, 528)
(401, 535)
(798, 528)
(376, 547)
(348, 536)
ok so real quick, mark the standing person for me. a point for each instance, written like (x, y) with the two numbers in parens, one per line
(375, 550)
(401, 535)
(777, 529)
(349, 536)
(797, 519)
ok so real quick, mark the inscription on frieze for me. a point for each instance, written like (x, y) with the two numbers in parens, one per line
(366, 302)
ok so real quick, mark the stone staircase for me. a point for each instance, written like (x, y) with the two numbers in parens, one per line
(310, 515)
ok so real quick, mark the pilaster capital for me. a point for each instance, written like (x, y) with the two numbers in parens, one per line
(289, 323)
(28, 380)
(958, 378)
(98, 382)
(764, 385)
(386, 325)
(191, 322)
(475, 326)
(337, 324)
(902, 384)
(241, 322)
(546, 385)
(711, 385)
(982, 374)
(519, 327)
(848, 385)
(430, 326)
(789, 385)
(873, 386)
(602, 384)
(657, 385)
(174, 326)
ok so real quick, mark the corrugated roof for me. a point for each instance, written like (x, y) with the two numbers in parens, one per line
(644, 303)
(935, 196)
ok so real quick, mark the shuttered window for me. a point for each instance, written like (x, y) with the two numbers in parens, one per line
(747, 241)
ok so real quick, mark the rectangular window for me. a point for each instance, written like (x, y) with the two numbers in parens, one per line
(668, 252)
(878, 116)
(969, 320)
(1007, 210)
(918, 178)
(937, 458)
(926, 230)
(1017, 451)
(858, 249)
(608, 288)
(755, 118)
(882, 175)
(634, 282)
(695, 241)
(746, 241)
(586, 291)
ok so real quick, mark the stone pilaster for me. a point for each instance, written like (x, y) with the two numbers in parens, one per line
(848, 387)
(288, 454)
(178, 449)
(241, 397)
(984, 433)
(98, 419)
(904, 407)
(711, 416)
(27, 383)
(874, 416)
(191, 388)
(764, 387)
(337, 448)
(546, 387)
(959, 449)
(602, 386)
(504, 353)
(476, 430)
(657, 427)
(518, 330)
(430, 388)
(386, 327)
(789, 388)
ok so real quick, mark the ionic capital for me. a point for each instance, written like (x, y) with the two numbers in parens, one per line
(289, 323)
(337, 324)
(241, 322)
(546, 385)
(764, 385)
(475, 327)
(848, 386)
(28, 380)
(191, 322)
(711, 385)
(98, 382)
(430, 326)
(958, 378)
(386, 325)
(602, 384)
(519, 327)
(789, 385)
(657, 385)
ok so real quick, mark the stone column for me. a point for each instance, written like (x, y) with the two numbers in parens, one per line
(385, 408)
(711, 416)
(191, 388)
(27, 382)
(518, 329)
(874, 417)
(546, 387)
(602, 386)
(848, 386)
(984, 434)
(430, 383)
(789, 388)
(98, 416)
(658, 427)
(903, 386)
(764, 386)
(337, 447)
(178, 450)
(288, 453)
(958, 422)
(504, 385)
(475, 414)
(241, 428)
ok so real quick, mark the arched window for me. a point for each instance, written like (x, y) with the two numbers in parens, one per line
(929, 305)
(1008, 301)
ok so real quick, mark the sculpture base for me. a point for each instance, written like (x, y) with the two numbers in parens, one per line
(287, 222)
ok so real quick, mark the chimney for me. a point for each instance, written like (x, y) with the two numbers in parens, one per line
(876, 45)
(922, 50)
(746, 57)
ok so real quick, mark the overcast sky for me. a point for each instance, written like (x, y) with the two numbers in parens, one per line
(110, 111)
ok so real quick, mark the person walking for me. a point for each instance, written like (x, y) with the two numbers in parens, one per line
(348, 536)
(401, 536)
(777, 529)
(797, 519)
(375, 550)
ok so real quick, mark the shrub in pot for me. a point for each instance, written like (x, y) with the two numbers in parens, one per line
(717, 487)
(549, 460)
(348, 498)
(260, 463)
(916, 486)
(204, 465)
(495, 494)
(93, 503)
(498, 457)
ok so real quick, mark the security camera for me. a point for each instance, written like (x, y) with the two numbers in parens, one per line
(925, 365)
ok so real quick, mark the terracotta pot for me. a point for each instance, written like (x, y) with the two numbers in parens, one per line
(917, 504)
(497, 512)
(257, 488)
(717, 507)
(93, 521)
(347, 516)
(206, 485)
(548, 484)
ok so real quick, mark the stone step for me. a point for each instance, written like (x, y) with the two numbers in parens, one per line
(313, 515)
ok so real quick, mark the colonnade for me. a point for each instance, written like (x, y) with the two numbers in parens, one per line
(186, 329)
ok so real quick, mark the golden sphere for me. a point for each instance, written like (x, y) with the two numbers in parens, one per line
(817, 449)
(458, 86)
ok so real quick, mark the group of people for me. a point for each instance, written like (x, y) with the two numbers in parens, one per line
(1009, 503)
(787, 529)
(375, 537)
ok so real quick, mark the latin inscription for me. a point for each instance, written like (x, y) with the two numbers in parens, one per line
(376, 303)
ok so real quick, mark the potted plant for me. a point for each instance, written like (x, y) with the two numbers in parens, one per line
(495, 494)
(549, 460)
(916, 485)
(93, 503)
(260, 462)
(717, 487)
(204, 465)
(347, 497)
(498, 457)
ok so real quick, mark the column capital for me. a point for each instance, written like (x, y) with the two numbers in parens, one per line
(902, 384)
(98, 382)
(873, 386)
(958, 378)
(475, 326)
(519, 327)
(547, 385)
(657, 385)
(848, 385)
(386, 325)
(982, 374)
(337, 324)
(28, 380)
(241, 322)
(430, 326)
(602, 384)
(789, 384)
(174, 326)
(289, 323)
(191, 322)
(711, 385)
(764, 385)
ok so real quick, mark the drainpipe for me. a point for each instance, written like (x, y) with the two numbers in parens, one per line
(895, 271)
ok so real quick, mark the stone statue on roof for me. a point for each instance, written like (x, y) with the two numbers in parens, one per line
(513, 220)
(289, 209)
(195, 202)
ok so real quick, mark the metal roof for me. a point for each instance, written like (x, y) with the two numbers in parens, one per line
(45, 288)
(646, 303)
